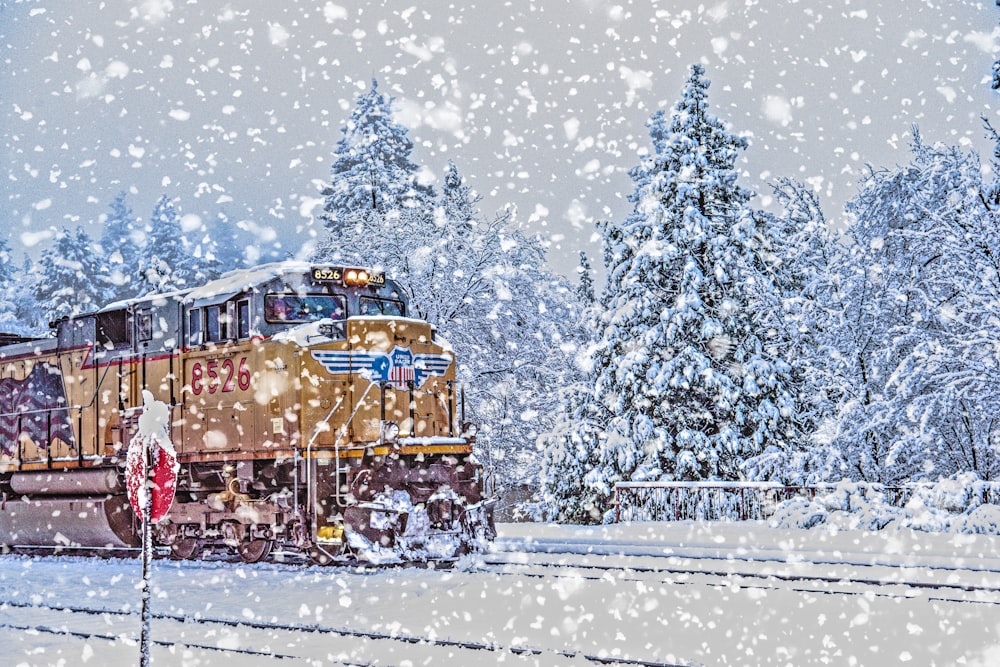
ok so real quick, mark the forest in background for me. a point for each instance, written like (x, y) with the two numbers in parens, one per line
(727, 343)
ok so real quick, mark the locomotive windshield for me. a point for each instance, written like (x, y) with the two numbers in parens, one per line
(295, 309)
(373, 306)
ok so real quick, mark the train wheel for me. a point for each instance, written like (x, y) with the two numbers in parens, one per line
(254, 551)
(185, 549)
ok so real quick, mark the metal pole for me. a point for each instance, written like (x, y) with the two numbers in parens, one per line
(451, 408)
(413, 408)
(461, 424)
(381, 388)
(618, 507)
(147, 552)
(48, 442)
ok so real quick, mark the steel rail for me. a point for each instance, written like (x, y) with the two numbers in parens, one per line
(647, 550)
(790, 578)
(340, 632)
(95, 635)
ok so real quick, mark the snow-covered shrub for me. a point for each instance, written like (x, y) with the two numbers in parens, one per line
(798, 513)
(982, 520)
(958, 493)
(921, 515)
(954, 504)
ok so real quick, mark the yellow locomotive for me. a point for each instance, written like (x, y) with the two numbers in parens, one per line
(308, 412)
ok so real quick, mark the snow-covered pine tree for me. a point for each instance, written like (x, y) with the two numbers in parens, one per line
(31, 317)
(122, 240)
(227, 246)
(166, 262)
(692, 387)
(571, 448)
(570, 452)
(585, 289)
(67, 280)
(8, 290)
(375, 196)
(202, 245)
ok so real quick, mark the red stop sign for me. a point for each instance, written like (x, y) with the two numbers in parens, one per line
(163, 477)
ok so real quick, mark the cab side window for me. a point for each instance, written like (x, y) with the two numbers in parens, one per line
(213, 324)
(194, 327)
(243, 320)
(144, 326)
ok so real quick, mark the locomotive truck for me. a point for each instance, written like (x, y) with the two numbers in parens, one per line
(309, 413)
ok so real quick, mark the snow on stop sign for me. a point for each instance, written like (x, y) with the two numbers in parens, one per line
(163, 476)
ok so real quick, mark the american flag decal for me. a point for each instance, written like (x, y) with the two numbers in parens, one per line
(401, 371)
(399, 366)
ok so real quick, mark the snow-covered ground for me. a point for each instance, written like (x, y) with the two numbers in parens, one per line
(682, 593)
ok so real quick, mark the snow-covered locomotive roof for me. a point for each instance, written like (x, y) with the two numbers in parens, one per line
(225, 287)
(234, 282)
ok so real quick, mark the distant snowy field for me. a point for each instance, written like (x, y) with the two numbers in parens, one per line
(682, 593)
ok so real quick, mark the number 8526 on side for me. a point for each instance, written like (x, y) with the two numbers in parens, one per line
(220, 376)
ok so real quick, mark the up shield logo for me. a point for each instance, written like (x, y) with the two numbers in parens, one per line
(398, 367)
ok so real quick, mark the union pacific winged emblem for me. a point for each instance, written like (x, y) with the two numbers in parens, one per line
(399, 366)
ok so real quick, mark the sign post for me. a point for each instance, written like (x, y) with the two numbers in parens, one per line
(151, 480)
(147, 555)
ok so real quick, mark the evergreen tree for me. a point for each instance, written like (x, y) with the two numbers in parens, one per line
(585, 290)
(122, 241)
(373, 177)
(693, 388)
(67, 278)
(203, 250)
(9, 286)
(376, 213)
(167, 261)
(228, 248)
(996, 66)
(31, 318)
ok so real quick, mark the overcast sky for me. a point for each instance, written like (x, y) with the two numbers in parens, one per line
(236, 106)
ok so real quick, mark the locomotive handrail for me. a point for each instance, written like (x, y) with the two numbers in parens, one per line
(343, 432)
(317, 431)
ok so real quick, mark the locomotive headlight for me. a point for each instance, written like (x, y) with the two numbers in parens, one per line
(357, 277)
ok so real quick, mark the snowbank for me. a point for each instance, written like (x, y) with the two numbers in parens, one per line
(958, 504)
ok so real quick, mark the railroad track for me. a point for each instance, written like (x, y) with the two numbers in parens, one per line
(203, 621)
(756, 554)
(498, 563)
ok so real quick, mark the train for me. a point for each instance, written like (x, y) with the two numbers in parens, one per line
(309, 412)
